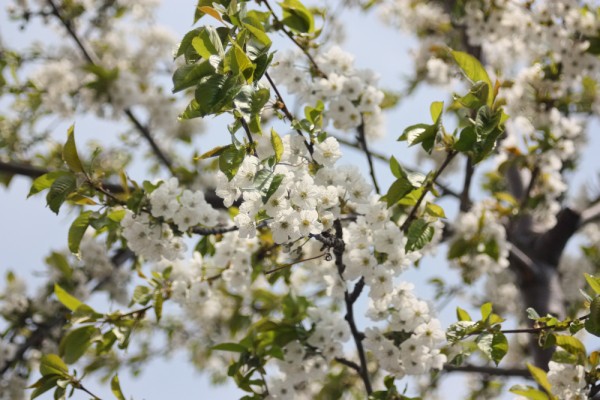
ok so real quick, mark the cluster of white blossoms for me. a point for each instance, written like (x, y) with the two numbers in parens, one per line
(149, 234)
(150, 239)
(7, 352)
(480, 242)
(406, 314)
(98, 265)
(125, 73)
(350, 95)
(567, 381)
(186, 208)
(302, 205)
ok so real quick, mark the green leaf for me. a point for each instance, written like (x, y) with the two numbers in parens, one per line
(594, 282)
(467, 140)
(473, 69)
(158, 304)
(540, 377)
(208, 43)
(214, 95)
(296, 16)
(419, 234)
(400, 188)
(396, 168)
(592, 324)
(259, 34)
(77, 230)
(44, 182)
(141, 295)
(214, 152)
(420, 133)
(66, 299)
(275, 183)
(436, 109)
(75, 343)
(529, 392)
(277, 144)
(486, 311)
(115, 387)
(230, 160)
(43, 384)
(190, 75)
(233, 347)
(499, 347)
(435, 210)
(59, 190)
(462, 315)
(571, 344)
(51, 364)
(69, 152)
(238, 63)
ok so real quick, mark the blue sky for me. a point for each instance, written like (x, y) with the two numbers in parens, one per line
(30, 230)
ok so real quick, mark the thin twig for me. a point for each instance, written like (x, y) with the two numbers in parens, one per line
(287, 112)
(349, 299)
(524, 373)
(284, 266)
(248, 134)
(360, 137)
(426, 189)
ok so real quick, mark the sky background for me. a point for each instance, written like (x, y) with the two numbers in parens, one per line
(28, 230)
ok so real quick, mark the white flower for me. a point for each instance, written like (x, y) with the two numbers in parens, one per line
(327, 152)
(308, 223)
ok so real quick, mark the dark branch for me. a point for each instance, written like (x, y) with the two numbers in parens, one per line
(361, 138)
(520, 372)
(465, 197)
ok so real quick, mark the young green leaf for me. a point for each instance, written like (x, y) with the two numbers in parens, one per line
(540, 377)
(296, 16)
(69, 152)
(592, 324)
(594, 282)
(60, 189)
(75, 343)
(277, 144)
(77, 230)
(473, 69)
(66, 299)
(115, 387)
(51, 364)
(419, 234)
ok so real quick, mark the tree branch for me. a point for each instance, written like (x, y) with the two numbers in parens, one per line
(363, 143)
(465, 197)
(520, 372)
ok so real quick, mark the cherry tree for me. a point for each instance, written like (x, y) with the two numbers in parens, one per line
(276, 265)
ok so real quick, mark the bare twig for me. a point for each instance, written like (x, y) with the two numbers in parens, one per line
(520, 372)
(360, 137)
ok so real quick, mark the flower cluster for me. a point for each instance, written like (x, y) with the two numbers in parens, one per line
(350, 96)
(150, 239)
(405, 314)
(479, 245)
(568, 381)
(302, 204)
